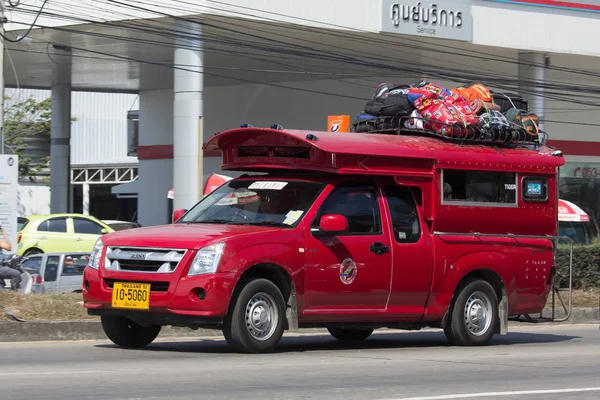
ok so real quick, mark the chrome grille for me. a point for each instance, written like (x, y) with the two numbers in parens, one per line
(143, 259)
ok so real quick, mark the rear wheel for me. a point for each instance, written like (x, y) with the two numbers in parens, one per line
(350, 334)
(474, 315)
(256, 322)
(127, 333)
(31, 252)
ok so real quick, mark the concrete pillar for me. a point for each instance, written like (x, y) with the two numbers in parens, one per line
(60, 132)
(188, 86)
(155, 155)
(86, 199)
(532, 69)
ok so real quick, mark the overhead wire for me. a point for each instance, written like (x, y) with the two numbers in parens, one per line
(346, 60)
(234, 78)
(28, 30)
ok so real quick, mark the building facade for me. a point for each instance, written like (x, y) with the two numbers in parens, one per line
(211, 66)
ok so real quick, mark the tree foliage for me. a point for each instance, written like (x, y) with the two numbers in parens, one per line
(27, 121)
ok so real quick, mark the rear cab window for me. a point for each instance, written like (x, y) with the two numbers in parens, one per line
(33, 264)
(479, 188)
(74, 264)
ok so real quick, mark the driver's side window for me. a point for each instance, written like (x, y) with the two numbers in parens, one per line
(359, 204)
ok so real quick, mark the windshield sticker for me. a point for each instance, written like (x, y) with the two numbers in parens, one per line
(292, 217)
(268, 185)
(240, 198)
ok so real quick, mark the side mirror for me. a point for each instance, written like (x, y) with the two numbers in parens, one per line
(104, 231)
(333, 223)
(177, 214)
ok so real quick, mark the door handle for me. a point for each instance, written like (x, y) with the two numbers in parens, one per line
(78, 239)
(379, 248)
(42, 237)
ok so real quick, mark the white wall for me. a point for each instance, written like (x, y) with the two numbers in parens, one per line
(33, 199)
(99, 134)
(535, 28)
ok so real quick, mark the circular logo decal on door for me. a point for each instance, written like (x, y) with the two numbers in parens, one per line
(348, 271)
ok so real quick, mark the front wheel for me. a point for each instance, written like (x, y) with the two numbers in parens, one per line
(127, 333)
(256, 323)
(350, 334)
(474, 315)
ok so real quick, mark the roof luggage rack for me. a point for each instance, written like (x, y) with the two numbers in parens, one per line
(512, 137)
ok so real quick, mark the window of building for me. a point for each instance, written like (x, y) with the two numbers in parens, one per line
(535, 189)
(53, 225)
(358, 204)
(85, 226)
(405, 219)
(479, 187)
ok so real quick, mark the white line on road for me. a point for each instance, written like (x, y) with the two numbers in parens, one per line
(73, 372)
(500, 394)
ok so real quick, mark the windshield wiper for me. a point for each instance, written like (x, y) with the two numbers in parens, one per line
(267, 223)
(215, 221)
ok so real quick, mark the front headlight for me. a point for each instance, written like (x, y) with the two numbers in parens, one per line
(94, 261)
(207, 260)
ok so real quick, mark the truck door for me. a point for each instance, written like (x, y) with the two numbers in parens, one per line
(412, 250)
(349, 271)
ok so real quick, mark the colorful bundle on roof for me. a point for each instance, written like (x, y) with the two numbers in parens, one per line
(464, 113)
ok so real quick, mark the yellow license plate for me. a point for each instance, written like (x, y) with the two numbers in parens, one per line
(131, 295)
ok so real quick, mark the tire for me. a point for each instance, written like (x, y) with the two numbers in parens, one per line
(127, 333)
(262, 299)
(474, 315)
(31, 252)
(350, 334)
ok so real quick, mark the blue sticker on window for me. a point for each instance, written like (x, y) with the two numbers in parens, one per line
(534, 189)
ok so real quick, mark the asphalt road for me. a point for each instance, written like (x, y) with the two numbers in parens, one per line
(564, 360)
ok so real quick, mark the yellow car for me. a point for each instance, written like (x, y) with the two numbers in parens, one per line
(59, 233)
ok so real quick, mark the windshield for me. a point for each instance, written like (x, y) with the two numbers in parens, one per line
(256, 202)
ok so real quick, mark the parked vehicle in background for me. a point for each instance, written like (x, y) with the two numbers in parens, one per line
(60, 233)
(575, 223)
(21, 222)
(121, 225)
(57, 272)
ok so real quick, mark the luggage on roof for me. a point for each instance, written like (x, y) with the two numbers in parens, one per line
(472, 113)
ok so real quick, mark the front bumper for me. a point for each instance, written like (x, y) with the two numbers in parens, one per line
(174, 299)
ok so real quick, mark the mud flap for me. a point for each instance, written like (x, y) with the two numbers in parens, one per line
(503, 313)
(291, 311)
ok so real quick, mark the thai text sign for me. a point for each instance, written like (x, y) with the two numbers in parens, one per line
(437, 20)
(9, 183)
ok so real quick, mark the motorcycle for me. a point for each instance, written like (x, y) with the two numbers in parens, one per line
(26, 282)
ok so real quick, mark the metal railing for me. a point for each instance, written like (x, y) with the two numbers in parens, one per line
(556, 291)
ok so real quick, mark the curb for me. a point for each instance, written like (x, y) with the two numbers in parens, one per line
(36, 331)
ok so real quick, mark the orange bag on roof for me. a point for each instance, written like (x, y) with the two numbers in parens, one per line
(477, 91)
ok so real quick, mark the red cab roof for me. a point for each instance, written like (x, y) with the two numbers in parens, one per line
(436, 150)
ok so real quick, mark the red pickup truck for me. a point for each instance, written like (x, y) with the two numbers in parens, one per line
(346, 231)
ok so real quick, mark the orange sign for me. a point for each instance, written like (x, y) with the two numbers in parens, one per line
(338, 123)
